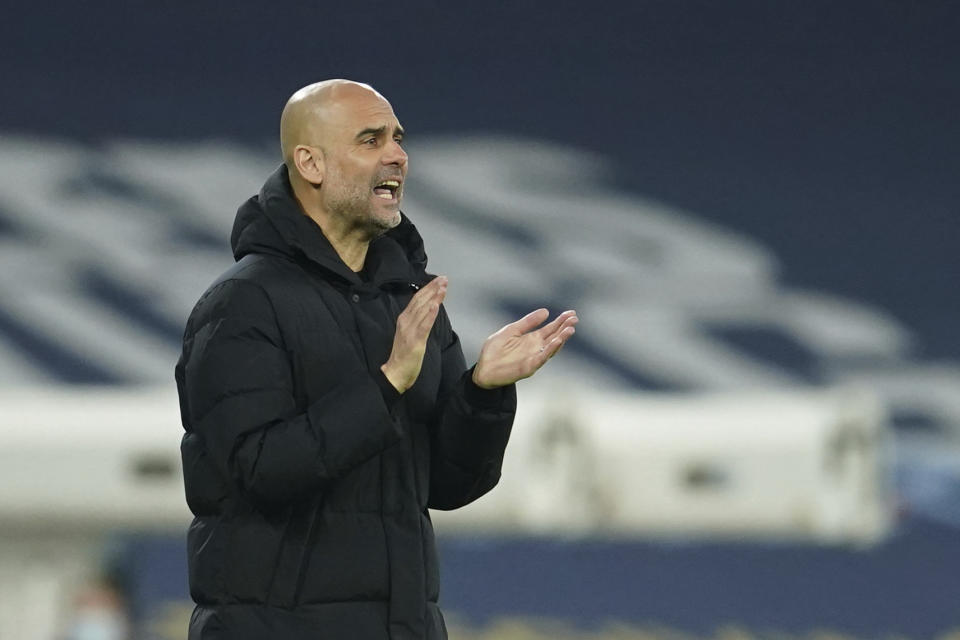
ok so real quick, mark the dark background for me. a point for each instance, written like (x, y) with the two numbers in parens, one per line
(826, 130)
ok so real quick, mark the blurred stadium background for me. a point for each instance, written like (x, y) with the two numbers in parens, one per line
(752, 205)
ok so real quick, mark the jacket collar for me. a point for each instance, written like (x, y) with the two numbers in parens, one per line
(273, 222)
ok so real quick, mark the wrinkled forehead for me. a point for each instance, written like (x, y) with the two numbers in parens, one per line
(353, 110)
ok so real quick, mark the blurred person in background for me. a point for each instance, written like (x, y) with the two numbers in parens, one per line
(100, 611)
(326, 400)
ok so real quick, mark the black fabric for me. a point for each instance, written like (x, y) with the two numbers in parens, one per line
(309, 475)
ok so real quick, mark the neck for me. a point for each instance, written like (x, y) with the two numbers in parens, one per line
(350, 242)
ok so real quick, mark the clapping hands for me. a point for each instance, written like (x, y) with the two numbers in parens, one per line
(513, 353)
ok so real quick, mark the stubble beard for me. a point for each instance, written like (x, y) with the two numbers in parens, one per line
(352, 204)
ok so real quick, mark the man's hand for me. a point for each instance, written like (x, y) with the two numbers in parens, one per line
(519, 349)
(410, 339)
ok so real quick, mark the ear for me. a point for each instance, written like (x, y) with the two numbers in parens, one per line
(309, 163)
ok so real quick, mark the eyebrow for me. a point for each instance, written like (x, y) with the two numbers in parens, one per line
(378, 131)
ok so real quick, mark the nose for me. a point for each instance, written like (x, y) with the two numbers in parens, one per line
(394, 154)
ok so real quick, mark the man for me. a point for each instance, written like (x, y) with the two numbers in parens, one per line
(326, 400)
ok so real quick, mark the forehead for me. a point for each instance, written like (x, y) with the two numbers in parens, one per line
(352, 111)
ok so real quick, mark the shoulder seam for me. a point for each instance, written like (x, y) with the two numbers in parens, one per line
(266, 294)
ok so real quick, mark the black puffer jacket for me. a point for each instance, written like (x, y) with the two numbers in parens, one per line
(309, 475)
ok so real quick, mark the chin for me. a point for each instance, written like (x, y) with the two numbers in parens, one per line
(390, 222)
(383, 223)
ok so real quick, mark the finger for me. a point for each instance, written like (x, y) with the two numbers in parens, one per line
(528, 322)
(417, 301)
(548, 352)
(419, 325)
(570, 322)
(422, 298)
(562, 321)
(565, 336)
(554, 325)
(563, 332)
(430, 291)
(551, 348)
(426, 323)
(430, 309)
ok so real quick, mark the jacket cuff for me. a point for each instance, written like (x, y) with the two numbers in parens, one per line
(387, 390)
(480, 398)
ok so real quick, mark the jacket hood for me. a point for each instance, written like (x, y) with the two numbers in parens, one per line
(273, 222)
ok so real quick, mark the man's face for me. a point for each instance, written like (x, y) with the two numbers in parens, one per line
(365, 165)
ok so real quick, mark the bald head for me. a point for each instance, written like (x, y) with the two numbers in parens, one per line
(312, 111)
(343, 148)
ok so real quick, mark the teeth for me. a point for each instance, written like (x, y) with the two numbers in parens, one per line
(389, 183)
(385, 196)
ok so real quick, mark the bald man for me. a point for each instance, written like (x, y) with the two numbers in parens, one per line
(326, 400)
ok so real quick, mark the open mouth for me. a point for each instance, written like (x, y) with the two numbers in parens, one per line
(387, 189)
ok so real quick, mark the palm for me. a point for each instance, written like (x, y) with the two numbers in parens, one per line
(519, 349)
